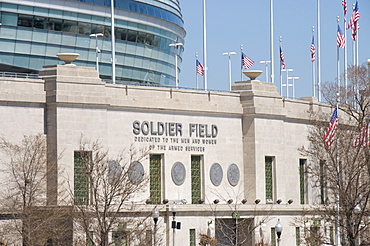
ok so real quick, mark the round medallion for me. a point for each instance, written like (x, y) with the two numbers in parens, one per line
(178, 173)
(136, 172)
(216, 174)
(233, 174)
(114, 172)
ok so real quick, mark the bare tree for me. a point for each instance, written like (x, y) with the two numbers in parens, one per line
(24, 169)
(341, 172)
(103, 191)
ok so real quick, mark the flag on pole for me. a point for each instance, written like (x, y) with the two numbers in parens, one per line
(332, 129)
(344, 3)
(340, 38)
(363, 138)
(282, 59)
(313, 49)
(246, 61)
(353, 22)
(199, 67)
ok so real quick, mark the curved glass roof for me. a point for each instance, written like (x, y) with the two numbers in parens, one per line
(165, 9)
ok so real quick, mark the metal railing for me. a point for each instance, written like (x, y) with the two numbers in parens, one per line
(19, 75)
(150, 84)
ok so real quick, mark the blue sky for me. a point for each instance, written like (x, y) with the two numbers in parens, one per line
(245, 22)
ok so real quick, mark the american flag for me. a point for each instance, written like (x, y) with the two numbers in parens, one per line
(313, 49)
(246, 61)
(282, 59)
(363, 138)
(332, 129)
(344, 3)
(340, 38)
(353, 22)
(199, 67)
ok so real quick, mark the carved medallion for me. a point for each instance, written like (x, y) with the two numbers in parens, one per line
(216, 174)
(178, 173)
(233, 174)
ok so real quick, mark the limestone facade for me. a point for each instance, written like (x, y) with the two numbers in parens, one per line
(243, 127)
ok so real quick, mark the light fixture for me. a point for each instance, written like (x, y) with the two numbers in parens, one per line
(278, 228)
(230, 201)
(148, 201)
(257, 201)
(278, 201)
(165, 201)
(244, 201)
(290, 201)
(155, 216)
(174, 210)
(216, 201)
(357, 209)
(184, 201)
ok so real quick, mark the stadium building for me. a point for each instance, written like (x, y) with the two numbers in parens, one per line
(33, 32)
(228, 161)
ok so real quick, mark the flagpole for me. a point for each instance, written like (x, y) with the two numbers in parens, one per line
(113, 44)
(313, 67)
(205, 46)
(354, 42)
(318, 51)
(272, 42)
(357, 31)
(345, 52)
(281, 76)
(338, 63)
(196, 73)
(241, 64)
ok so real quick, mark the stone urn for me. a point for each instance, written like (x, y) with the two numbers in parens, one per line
(68, 57)
(252, 74)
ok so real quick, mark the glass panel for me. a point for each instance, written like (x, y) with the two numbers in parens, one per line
(37, 62)
(24, 34)
(155, 179)
(273, 236)
(196, 192)
(121, 34)
(302, 189)
(297, 236)
(55, 24)
(322, 182)
(21, 60)
(52, 50)
(192, 237)
(69, 40)
(132, 36)
(70, 26)
(84, 28)
(97, 28)
(25, 9)
(39, 22)
(268, 177)
(120, 238)
(81, 180)
(22, 47)
(25, 20)
(56, 13)
(38, 49)
(9, 19)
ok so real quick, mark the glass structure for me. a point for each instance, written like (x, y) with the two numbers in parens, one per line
(81, 178)
(155, 179)
(196, 180)
(32, 32)
(268, 178)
